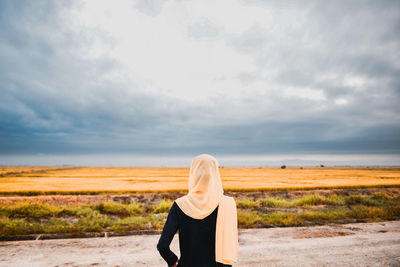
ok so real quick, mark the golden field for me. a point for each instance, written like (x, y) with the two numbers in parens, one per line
(141, 179)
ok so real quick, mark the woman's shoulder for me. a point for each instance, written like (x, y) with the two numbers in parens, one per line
(175, 207)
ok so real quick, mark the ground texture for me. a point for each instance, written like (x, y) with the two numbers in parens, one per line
(362, 244)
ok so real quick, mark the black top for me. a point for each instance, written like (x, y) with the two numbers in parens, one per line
(196, 239)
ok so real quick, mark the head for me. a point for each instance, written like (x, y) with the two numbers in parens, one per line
(204, 175)
(205, 188)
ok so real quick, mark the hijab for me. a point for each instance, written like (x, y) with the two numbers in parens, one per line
(204, 196)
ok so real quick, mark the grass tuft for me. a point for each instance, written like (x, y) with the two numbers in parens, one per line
(163, 206)
(246, 203)
(309, 200)
(29, 210)
(248, 218)
(274, 202)
(282, 219)
(111, 208)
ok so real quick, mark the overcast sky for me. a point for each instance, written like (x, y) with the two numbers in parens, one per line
(188, 77)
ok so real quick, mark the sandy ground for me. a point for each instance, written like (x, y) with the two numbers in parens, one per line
(369, 244)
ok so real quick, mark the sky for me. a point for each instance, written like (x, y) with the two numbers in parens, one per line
(158, 82)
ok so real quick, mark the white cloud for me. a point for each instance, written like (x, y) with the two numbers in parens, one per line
(341, 101)
(308, 93)
(158, 53)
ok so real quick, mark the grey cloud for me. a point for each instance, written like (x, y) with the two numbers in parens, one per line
(339, 38)
(52, 99)
(55, 101)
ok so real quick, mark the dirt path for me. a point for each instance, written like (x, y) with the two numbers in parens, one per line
(369, 244)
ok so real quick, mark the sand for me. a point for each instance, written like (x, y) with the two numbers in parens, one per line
(363, 244)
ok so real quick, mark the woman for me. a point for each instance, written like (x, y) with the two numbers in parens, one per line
(206, 220)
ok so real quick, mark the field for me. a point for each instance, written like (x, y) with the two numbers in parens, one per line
(74, 201)
(67, 180)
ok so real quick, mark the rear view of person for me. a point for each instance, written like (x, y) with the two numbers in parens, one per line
(206, 220)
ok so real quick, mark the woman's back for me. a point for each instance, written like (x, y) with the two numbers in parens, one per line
(205, 218)
(196, 239)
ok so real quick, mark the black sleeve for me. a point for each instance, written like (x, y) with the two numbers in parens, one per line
(170, 228)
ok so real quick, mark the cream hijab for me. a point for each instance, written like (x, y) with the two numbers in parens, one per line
(205, 194)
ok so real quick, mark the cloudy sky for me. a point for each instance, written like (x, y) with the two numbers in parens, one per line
(177, 78)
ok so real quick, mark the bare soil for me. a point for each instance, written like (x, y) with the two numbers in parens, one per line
(367, 244)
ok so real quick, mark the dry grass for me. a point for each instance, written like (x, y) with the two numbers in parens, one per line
(141, 179)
